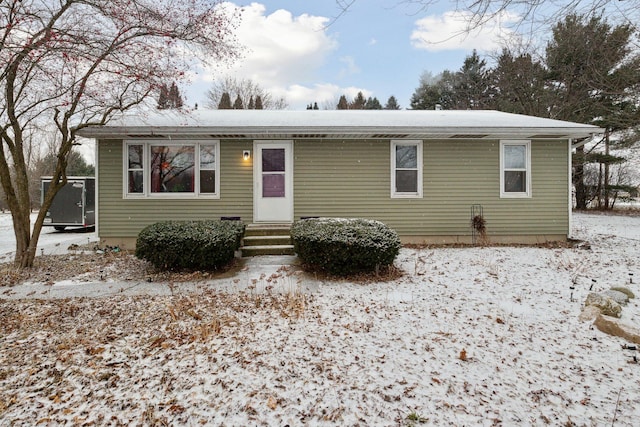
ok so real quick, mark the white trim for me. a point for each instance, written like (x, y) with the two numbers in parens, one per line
(420, 164)
(511, 195)
(146, 177)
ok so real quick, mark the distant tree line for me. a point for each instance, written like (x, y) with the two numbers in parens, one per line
(246, 95)
(362, 103)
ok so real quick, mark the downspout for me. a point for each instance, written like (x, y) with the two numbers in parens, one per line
(96, 189)
(570, 184)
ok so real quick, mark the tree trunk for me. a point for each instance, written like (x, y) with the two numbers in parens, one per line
(578, 179)
(606, 170)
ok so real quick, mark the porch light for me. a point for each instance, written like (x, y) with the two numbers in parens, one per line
(246, 155)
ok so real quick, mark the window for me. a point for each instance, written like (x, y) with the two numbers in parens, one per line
(515, 169)
(406, 169)
(155, 169)
(135, 172)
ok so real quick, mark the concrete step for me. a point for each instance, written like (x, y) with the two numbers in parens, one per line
(248, 251)
(266, 240)
(267, 230)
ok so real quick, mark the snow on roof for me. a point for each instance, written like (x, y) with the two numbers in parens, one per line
(341, 123)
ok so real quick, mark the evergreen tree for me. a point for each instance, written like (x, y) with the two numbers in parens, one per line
(519, 85)
(252, 104)
(471, 85)
(259, 105)
(170, 97)
(358, 102)
(163, 98)
(372, 104)
(315, 106)
(435, 92)
(392, 104)
(595, 76)
(225, 102)
(175, 98)
(237, 104)
(342, 103)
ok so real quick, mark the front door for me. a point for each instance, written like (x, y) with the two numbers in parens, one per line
(273, 176)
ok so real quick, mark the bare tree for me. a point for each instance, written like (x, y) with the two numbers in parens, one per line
(245, 90)
(532, 13)
(75, 63)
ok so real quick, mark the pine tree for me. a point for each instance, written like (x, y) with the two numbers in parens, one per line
(258, 105)
(170, 97)
(252, 104)
(392, 104)
(342, 103)
(472, 84)
(520, 86)
(596, 79)
(372, 104)
(163, 98)
(225, 102)
(175, 98)
(358, 102)
(237, 104)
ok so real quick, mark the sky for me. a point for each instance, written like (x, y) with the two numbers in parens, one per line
(305, 51)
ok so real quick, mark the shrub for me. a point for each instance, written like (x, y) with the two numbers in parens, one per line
(344, 246)
(201, 245)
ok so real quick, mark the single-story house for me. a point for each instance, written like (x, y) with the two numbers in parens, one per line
(423, 173)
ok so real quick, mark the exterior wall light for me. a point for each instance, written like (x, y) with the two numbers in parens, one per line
(246, 155)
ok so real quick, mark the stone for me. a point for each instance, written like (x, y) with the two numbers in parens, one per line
(606, 304)
(624, 290)
(589, 313)
(615, 327)
(617, 296)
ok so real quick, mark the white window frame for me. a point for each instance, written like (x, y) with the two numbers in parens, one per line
(146, 165)
(420, 162)
(527, 170)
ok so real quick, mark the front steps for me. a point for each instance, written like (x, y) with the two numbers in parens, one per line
(267, 239)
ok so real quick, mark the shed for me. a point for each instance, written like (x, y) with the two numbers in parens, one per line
(421, 172)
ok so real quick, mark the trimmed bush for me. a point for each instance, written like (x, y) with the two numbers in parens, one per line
(345, 246)
(202, 245)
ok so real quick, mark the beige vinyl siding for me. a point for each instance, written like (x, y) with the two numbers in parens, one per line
(120, 217)
(352, 179)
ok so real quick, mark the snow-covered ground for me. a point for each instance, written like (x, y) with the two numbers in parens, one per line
(51, 242)
(468, 336)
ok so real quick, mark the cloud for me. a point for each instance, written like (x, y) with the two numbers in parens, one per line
(349, 68)
(280, 52)
(279, 48)
(449, 31)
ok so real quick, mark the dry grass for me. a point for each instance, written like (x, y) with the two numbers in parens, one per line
(92, 266)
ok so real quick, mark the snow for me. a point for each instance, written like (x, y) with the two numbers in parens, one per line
(357, 121)
(51, 242)
(467, 336)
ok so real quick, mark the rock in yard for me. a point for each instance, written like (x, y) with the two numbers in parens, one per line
(606, 304)
(614, 327)
(589, 313)
(624, 290)
(619, 297)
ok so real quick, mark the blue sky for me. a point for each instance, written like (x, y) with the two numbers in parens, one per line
(298, 50)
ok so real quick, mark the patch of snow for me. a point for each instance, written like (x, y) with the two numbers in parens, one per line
(51, 242)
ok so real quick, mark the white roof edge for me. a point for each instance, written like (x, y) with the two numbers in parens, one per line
(338, 122)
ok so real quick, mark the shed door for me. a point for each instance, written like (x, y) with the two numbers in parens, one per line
(273, 176)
